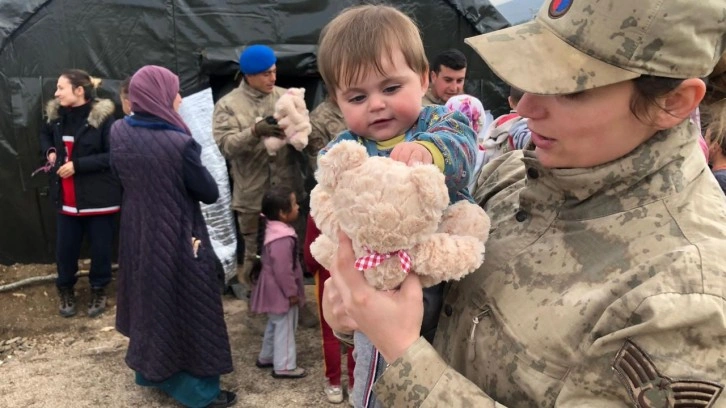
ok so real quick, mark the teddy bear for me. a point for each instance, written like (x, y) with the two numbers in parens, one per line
(397, 216)
(292, 116)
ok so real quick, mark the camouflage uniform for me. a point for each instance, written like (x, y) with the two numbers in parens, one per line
(327, 121)
(602, 286)
(583, 267)
(253, 170)
(431, 99)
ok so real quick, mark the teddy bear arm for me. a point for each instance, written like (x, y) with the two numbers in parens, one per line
(299, 139)
(323, 211)
(446, 257)
(323, 250)
(467, 219)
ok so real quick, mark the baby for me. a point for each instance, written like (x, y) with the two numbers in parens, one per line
(373, 63)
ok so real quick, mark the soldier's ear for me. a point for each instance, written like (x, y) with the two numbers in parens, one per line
(678, 104)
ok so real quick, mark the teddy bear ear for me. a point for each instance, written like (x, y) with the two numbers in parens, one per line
(343, 156)
(431, 185)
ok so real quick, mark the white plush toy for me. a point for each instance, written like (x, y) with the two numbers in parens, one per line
(292, 116)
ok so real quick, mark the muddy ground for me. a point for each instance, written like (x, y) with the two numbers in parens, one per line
(50, 361)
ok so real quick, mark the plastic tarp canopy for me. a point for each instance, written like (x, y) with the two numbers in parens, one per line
(199, 40)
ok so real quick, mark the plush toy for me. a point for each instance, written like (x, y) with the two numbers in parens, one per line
(292, 116)
(397, 216)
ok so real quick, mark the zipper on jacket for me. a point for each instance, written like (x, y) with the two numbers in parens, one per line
(477, 318)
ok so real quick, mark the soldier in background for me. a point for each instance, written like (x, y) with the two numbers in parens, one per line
(239, 135)
(603, 282)
(447, 76)
(327, 121)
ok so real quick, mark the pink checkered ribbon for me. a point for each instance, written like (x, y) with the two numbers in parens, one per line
(374, 259)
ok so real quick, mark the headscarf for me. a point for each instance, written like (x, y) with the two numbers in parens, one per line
(152, 90)
(472, 108)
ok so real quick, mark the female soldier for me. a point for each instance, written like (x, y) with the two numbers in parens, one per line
(603, 282)
(82, 187)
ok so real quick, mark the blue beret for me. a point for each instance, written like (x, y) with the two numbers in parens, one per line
(256, 58)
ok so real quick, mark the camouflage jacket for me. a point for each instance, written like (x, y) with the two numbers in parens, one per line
(602, 287)
(253, 170)
(327, 121)
(431, 99)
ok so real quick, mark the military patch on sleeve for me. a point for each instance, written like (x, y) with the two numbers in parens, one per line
(650, 389)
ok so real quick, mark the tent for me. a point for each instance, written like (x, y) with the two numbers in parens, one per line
(199, 40)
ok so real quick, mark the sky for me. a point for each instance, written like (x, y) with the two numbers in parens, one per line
(517, 11)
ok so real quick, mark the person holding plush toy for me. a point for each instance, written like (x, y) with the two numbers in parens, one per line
(380, 100)
(278, 290)
(603, 284)
(243, 120)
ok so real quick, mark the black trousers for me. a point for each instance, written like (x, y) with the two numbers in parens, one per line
(71, 230)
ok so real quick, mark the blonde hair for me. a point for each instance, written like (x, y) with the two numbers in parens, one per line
(713, 109)
(360, 37)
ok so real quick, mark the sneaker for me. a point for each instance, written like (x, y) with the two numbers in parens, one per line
(224, 399)
(296, 373)
(97, 304)
(334, 393)
(67, 302)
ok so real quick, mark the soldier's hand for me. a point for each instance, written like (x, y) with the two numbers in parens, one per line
(391, 319)
(411, 153)
(334, 310)
(264, 128)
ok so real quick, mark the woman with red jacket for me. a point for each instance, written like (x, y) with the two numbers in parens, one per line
(82, 187)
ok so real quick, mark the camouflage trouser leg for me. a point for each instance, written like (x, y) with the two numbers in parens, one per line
(248, 230)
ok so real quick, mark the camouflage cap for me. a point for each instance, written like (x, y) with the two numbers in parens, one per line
(574, 45)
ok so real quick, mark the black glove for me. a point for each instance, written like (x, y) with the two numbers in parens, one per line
(268, 127)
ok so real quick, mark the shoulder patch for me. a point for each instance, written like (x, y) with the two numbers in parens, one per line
(558, 8)
(649, 388)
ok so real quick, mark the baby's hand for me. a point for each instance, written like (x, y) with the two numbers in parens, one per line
(411, 153)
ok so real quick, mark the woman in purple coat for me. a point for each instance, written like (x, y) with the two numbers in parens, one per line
(279, 289)
(168, 293)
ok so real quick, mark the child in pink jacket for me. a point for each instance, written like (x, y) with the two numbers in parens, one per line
(279, 290)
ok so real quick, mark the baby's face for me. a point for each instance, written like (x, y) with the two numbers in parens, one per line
(380, 107)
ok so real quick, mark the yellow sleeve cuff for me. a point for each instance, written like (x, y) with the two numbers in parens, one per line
(435, 153)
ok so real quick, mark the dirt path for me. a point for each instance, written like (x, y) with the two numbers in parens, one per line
(50, 361)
